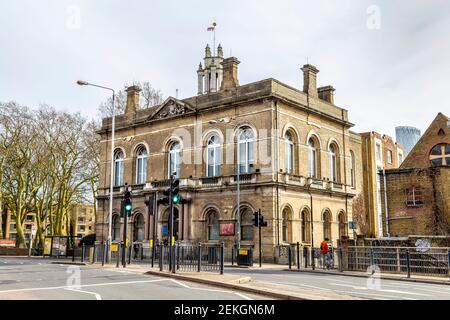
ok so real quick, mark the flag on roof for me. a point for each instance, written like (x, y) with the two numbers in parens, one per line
(213, 27)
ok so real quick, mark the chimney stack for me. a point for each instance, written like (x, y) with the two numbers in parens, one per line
(310, 80)
(133, 94)
(327, 93)
(230, 73)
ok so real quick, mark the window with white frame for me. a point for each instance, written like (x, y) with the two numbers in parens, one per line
(289, 152)
(352, 169)
(312, 158)
(141, 165)
(246, 149)
(389, 156)
(333, 163)
(378, 152)
(213, 157)
(118, 168)
(174, 159)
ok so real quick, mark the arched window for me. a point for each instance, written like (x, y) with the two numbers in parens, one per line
(312, 158)
(138, 228)
(246, 224)
(286, 231)
(246, 149)
(334, 165)
(213, 225)
(440, 155)
(306, 226)
(342, 225)
(289, 152)
(352, 169)
(327, 225)
(214, 157)
(116, 228)
(118, 168)
(174, 159)
(141, 165)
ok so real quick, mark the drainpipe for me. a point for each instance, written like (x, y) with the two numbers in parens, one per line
(369, 189)
(386, 203)
(277, 150)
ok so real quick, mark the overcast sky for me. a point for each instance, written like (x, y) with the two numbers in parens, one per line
(388, 60)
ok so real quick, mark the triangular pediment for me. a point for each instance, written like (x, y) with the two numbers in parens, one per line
(172, 107)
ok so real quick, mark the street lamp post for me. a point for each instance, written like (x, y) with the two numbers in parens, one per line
(111, 188)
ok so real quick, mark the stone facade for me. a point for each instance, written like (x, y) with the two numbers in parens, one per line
(418, 193)
(379, 152)
(279, 122)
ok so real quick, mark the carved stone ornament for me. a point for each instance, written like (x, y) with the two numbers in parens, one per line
(171, 109)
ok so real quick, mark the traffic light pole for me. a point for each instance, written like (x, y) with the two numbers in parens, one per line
(171, 262)
(259, 238)
(124, 247)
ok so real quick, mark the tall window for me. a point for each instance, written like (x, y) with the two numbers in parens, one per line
(400, 158)
(246, 225)
(352, 169)
(378, 151)
(214, 157)
(327, 225)
(141, 165)
(116, 228)
(333, 163)
(306, 226)
(118, 168)
(246, 149)
(389, 156)
(138, 228)
(174, 159)
(312, 158)
(213, 226)
(342, 225)
(286, 232)
(289, 152)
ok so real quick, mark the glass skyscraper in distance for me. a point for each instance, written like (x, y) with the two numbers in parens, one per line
(407, 137)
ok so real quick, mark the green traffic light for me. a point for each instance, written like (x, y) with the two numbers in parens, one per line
(176, 199)
(128, 207)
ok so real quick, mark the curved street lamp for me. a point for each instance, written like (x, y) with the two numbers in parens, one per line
(111, 189)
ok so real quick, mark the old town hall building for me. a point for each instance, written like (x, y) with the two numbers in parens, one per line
(298, 161)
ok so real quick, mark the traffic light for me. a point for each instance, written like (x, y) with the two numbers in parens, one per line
(256, 219)
(127, 204)
(175, 191)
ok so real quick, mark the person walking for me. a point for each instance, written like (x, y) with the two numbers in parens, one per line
(325, 252)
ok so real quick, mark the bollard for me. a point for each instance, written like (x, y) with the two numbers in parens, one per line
(222, 258)
(178, 257)
(73, 253)
(313, 258)
(372, 259)
(290, 257)
(305, 256)
(118, 255)
(161, 251)
(340, 262)
(104, 253)
(174, 258)
(199, 263)
(408, 263)
(298, 255)
(153, 255)
(94, 260)
(232, 255)
(83, 249)
(130, 251)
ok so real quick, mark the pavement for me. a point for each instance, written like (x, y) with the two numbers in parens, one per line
(37, 278)
(40, 279)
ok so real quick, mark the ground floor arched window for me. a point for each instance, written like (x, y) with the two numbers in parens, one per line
(246, 224)
(306, 226)
(342, 225)
(213, 225)
(327, 225)
(116, 228)
(138, 228)
(286, 226)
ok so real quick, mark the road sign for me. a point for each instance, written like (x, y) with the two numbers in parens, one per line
(33, 230)
(114, 247)
(353, 225)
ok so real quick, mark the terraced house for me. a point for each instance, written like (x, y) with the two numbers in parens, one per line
(298, 161)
